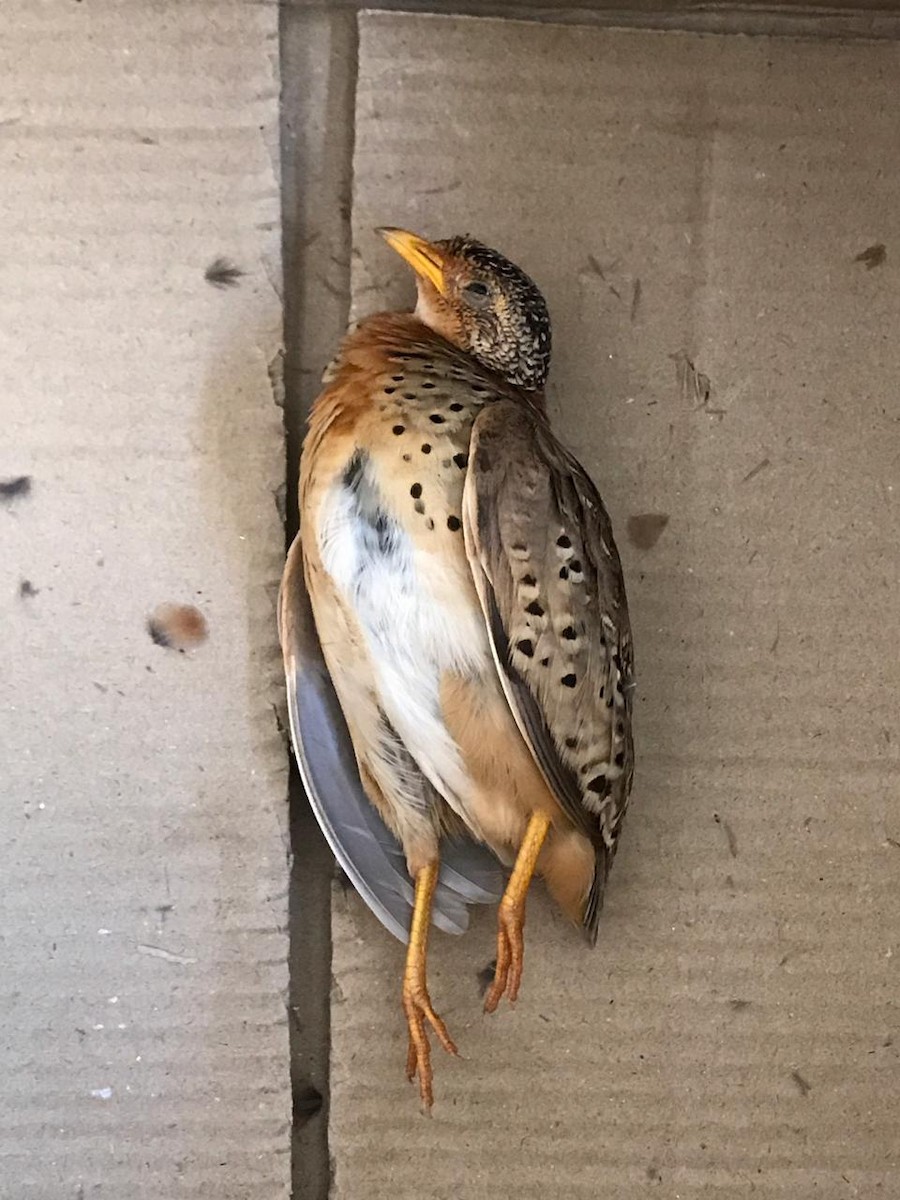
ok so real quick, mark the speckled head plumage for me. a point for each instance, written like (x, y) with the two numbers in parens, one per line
(481, 302)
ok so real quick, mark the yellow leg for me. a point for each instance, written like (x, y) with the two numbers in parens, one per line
(416, 1001)
(511, 915)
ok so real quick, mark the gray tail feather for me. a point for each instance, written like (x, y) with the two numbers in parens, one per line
(365, 848)
(594, 907)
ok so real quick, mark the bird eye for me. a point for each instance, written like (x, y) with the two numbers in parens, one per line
(476, 292)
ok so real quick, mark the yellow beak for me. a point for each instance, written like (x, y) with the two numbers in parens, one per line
(424, 257)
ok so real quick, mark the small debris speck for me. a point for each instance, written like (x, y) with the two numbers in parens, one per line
(803, 1085)
(754, 471)
(693, 385)
(223, 274)
(635, 299)
(180, 960)
(11, 489)
(307, 1102)
(27, 589)
(485, 976)
(729, 834)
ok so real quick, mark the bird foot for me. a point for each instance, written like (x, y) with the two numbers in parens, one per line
(418, 1008)
(510, 953)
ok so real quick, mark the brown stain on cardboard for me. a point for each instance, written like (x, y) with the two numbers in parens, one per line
(873, 256)
(645, 529)
(177, 626)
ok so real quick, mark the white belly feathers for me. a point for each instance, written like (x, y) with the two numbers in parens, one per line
(416, 623)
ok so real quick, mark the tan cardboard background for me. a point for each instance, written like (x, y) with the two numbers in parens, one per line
(694, 208)
(144, 863)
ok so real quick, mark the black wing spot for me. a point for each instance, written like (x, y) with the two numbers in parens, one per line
(620, 759)
(526, 647)
(426, 449)
(529, 581)
(569, 680)
(419, 506)
(428, 384)
(575, 565)
(461, 460)
(564, 572)
(534, 609)
(545, 662)
(416, 491)
(389, 391)
(597, 785)
(569, 633)
(456, 406)
(436, 419)
(571, 742)
(564, 542)
(398, 429)
(398, 378)
(453, 523)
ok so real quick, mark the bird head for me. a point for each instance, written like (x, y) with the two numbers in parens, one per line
(482, 303)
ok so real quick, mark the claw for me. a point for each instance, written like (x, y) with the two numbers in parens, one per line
(510, 954)
(416, 1002)
(511, 916)
(418, 1008)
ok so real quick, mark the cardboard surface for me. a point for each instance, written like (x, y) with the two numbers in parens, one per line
(694, 208)
(143, 858)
